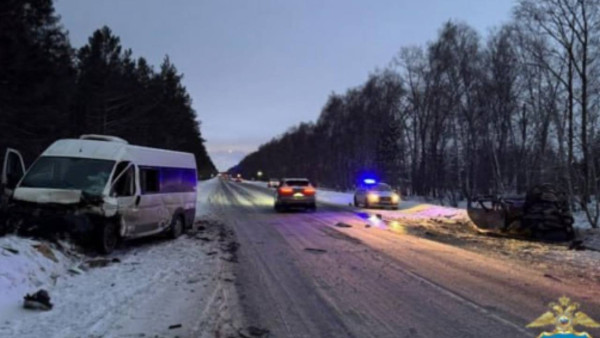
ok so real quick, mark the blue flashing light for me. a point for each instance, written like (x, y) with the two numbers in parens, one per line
(362, 215)
(369, 181)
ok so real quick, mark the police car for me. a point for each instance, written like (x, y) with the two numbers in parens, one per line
(373, 194)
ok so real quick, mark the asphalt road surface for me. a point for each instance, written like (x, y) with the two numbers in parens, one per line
(300, 275)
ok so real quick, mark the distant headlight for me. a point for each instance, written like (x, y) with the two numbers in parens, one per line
(395, 198)
(373, 198)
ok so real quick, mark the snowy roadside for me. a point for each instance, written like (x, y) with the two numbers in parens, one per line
(151, 287)
(453, 226)
(205, 190)
(24, 267)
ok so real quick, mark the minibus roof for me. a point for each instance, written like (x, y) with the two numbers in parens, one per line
(119, 151)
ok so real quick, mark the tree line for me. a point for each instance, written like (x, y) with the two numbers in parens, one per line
(465, 115)
(50, 90)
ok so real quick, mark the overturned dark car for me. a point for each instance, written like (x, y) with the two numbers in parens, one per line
(542, 214)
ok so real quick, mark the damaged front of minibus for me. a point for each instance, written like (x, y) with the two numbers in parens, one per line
(100, 189)
(70, 190)
(70, 195)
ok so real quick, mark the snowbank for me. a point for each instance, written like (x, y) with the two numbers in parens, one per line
(156, 283)
(204, 191)
(581, 220)
(25, 266)
(334, 197)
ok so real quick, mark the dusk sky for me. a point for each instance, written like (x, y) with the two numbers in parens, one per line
(256, 68)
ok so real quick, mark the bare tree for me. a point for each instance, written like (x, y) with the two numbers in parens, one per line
(572, 28)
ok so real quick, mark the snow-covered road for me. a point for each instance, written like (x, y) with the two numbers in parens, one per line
(338, 272)
(158, 287)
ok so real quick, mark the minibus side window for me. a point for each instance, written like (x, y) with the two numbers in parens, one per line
(170, 180)
(125, 184)
(189, 180)
(150, 180)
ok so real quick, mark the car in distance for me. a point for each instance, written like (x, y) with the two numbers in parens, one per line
(273, 183)
(295, 192)
(371, 194)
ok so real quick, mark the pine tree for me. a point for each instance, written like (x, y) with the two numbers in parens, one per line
(36, 76)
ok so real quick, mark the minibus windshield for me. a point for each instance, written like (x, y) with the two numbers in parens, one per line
(86, 174)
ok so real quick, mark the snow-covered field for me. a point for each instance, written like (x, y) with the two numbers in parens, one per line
(154, 287)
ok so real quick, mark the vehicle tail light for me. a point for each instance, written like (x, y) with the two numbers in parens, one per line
(309, 191)
(286, 191)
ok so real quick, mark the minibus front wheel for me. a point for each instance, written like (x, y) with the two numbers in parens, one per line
(177, 227)
(108, 237)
